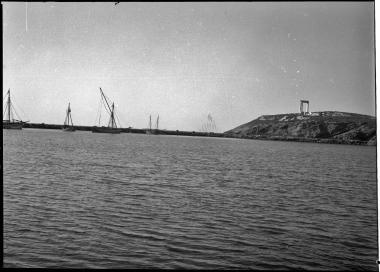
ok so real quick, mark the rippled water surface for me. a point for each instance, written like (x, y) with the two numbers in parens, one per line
(150, 201)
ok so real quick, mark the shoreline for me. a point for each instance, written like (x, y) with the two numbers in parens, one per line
(130, 130)
(211, 134)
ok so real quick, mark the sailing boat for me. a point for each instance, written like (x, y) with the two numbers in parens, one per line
(66, 124)
(158, 118)
(10, 122)
(112, 127)
(150, 131)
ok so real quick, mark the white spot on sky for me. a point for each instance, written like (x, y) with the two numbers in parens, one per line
(298, 71)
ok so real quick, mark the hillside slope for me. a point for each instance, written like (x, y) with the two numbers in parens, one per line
(339, 127)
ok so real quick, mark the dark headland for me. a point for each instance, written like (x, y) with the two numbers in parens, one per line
(322, 127)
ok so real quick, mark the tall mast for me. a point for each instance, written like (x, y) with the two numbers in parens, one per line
(158, 117)
(101, 92)
(67, 119)
(9, 105)
(112, 117)
(64, 123)
(69, 116)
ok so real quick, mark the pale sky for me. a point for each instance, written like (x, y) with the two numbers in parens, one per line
(183, 61)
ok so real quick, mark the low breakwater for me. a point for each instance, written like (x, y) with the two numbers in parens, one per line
(130, 130)
(210, 134)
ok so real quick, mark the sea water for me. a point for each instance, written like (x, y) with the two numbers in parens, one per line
(84, 200)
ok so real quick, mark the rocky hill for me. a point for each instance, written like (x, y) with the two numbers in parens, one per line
(325, 126)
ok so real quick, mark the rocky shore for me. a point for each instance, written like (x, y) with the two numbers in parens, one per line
(321, 127)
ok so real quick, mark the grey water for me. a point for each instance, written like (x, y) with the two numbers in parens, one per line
(84, 200)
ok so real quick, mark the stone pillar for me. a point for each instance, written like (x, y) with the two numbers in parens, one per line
(301, 107)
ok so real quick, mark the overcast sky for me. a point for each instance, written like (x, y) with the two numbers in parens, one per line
(183, 61)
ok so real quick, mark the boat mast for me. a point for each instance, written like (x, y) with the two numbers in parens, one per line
(9, 105)
(111, 110)
(158, 117)
(65, 123)
(113, 123)
(69, 116)
(105, 99)
(66, 117)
